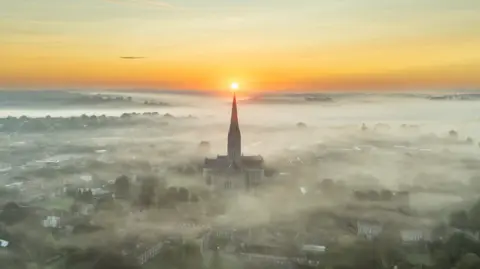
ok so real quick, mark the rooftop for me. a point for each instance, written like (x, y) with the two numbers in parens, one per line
(222, 162)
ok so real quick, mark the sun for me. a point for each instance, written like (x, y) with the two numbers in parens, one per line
(234, 86)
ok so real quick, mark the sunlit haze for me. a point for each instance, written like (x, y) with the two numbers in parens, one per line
(239, 134)
(234, 86)
(268, 45)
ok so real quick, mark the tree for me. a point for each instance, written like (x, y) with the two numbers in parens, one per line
(364, 127)
(474, 214)
(11, 206)
(216, 260)
(439, 231)
(122, 187)
(182, 195)
(388, 251)
(114, 261)
(194, 198)
(373, 195)
(204, 147)
(171, 195)
(301, 125)
(441, 259)
(98, 259)
(360, 195)
(75, 208)
(468, 261)
(192, 256)
(12, 213)
(86, 196)
(79, 194)
(453, 134)
(459, 244)
(475, 182)
(71, 192)
(270, 171)
(327, 184)
(10, 261)
(172, 257)
(366, 257)
(386, 195)
(147, 192)
(459, 219)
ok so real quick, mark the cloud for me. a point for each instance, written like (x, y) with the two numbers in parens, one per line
(154, 3)
(165, 5)
(131, 57)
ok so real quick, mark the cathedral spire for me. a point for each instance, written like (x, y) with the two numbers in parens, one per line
(234, 136)
(234, 118)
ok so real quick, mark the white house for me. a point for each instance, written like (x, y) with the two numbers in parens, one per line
(51, 222)
(87, 209)
(150, 253)
(415, 235)
(368, 230)
(4, 243)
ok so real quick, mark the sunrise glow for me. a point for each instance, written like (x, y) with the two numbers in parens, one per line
(191, 45)
(234, 86)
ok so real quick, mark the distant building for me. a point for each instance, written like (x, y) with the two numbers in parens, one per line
(369, 230)
(234, 171)
(402, 199)
(4, 243)
(415, 235)
(204, 147)
(51, 222)
(399, 199)
(472, 235)
(149, 253)
(86, 209)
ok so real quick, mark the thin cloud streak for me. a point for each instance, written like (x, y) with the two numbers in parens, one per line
(132, 57)
(144, 2)
(165, 5)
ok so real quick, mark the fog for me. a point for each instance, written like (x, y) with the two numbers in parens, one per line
(404, 144)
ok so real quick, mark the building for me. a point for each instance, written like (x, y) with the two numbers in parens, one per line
(234, 170)
(472, 235)
(414, 236)
(369, 229)
(51, 222)
(149, 253)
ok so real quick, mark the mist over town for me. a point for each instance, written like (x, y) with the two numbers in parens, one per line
(324, 180)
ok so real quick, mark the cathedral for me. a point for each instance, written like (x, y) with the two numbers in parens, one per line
(234, 170)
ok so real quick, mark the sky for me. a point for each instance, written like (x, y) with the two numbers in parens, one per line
(261, 44)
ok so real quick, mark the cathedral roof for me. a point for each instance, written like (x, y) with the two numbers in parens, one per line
(224, 163)
(252, 161)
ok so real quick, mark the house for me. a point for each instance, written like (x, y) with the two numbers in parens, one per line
(473, 235)
(415, 235)
(369, 229)
(313, 253)
(4, 243)
(86, 209)
(314, 248)
(51, 222)
(149, 253)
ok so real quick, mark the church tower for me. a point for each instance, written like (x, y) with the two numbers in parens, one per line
(234, 136)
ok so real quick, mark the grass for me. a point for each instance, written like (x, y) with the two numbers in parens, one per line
(229, 261)
(57, 203)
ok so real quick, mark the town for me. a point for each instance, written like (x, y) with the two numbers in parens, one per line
(141, 221)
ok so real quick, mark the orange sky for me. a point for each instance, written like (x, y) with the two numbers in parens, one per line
(264, 45)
